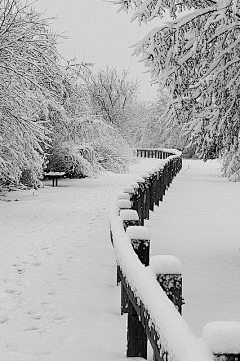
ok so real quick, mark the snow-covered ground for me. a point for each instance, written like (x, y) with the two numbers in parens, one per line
(59, 299)
(199, 222)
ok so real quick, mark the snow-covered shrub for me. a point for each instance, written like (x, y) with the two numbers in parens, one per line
(231, 165)
(30, 177)
(112, 151)
(76, 161)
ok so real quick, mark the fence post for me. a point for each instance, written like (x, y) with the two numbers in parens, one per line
(130, 218)
(223, 339)
(140, 200)
(124, 204)
(136, 336)
(133, 194)
(147, 195)
(168, 270)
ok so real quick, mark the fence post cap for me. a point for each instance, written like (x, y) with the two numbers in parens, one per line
(165, 264)
(145, 175)
(128, 189)
(124, 203)
(129, 215)
(138, 232)
(123, 196)
(140, 180)
(134, 185)
(222, 337)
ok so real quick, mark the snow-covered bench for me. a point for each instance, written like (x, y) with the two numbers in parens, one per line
(54, 176)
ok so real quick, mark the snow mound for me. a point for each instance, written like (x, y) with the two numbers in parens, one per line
(165, 264)
(129, 215)
(140, 180)
(222, 337)
(134, 185)
(138, 232)
(124, 203)
(123, 196)
(145, 175)
(128, 190)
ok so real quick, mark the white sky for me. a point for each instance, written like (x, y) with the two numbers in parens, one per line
(97, 33)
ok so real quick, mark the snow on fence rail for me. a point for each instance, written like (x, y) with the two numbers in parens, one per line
(151, 290)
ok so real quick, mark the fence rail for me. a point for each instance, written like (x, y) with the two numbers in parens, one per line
(151, 293)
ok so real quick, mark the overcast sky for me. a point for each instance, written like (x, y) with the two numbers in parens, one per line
(97, 33)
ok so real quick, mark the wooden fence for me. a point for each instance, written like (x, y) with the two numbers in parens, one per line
(151, 290)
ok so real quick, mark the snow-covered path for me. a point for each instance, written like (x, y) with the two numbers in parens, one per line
(59, 300)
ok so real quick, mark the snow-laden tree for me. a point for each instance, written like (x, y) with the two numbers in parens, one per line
(30, 80)
(83, 143)
(110, 93)
(196, 55)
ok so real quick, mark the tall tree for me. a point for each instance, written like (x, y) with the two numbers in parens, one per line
(196, 56)
(29, 80)
(110, 93)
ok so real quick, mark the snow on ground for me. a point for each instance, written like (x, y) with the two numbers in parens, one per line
(59, 299)
(198, 222)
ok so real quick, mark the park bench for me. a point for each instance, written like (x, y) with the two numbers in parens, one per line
(54, 176)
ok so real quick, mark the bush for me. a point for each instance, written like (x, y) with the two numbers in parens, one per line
(77, 161)
(94, 147)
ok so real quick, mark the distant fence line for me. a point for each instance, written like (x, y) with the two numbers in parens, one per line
(151, 289)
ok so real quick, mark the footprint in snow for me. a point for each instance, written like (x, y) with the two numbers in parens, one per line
(32, 328)
(13, 291)
(37, 263)
(5, 318)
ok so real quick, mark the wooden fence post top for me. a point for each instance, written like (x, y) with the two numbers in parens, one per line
(223, 339)
(165, 264)
(145, 175)
(138, 233)
(134, 185)
(129, 215)
(123, 196)
(124, 204)
(128, 189)
(140, 180)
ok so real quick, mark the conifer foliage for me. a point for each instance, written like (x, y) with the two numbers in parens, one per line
(196, 55)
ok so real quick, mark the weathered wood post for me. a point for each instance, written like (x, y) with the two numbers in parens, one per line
(156, 187)
(130, 218)
(140, 200)
(124, 204)
(132, 190)
(121, 204)
(168, 270)
(223, 339)
(146, 196)
(136, 336)
(161, 184)
(152, 176)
